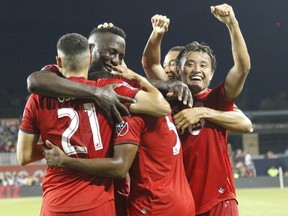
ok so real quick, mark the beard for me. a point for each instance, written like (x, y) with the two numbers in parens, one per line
(96, 71)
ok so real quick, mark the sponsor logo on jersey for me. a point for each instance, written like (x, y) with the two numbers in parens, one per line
(144, 211)
(221, 190)
(122, 129)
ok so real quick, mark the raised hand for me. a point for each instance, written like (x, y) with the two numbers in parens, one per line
(224, 13)
(160, 23)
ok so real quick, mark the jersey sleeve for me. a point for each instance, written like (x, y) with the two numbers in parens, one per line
(223, 103)
(129, 131)
(124, 89)
(29, 121)
(52, 68)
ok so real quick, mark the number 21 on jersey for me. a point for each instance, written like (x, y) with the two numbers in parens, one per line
(90, 109)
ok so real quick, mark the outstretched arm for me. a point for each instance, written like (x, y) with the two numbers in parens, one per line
(151, 58)
(116, 167)
(50, 84)
(149, 100)
(235, 121)
(237, 75)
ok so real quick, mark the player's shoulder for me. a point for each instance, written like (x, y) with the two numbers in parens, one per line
(52, 68)
(107, 81)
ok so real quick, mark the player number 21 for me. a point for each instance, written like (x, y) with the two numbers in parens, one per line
(68, 133)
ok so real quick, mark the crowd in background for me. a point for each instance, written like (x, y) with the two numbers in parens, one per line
(242, 162)
(20, 179)
(8, 134)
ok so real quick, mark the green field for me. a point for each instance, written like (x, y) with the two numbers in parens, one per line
(263, 202)
(252, 202)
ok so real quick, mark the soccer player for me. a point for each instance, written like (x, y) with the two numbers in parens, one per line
(158, 182)
(204, 127)
(107, 45)
(81, 129)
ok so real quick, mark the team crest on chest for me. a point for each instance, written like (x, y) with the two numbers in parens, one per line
(122, 128)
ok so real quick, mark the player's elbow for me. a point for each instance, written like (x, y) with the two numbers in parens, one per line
(245, 126)
(32, 83)
(248, 127)
(22, 160)
(120, 169)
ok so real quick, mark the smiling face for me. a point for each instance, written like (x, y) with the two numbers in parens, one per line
(196, 71)
(107, 50)
(169, 64)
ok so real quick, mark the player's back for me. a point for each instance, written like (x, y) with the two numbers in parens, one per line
(81, 130)
(158, 182)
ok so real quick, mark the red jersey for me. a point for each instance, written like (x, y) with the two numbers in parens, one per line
(80, 128)
(158, 182)
(205, 154)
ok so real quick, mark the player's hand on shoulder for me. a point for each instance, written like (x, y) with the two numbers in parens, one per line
(112, 103)
(180, 90)
(160, 23)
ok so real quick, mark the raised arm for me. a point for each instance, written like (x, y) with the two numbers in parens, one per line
(151, 58)
(237, 75)
(48, 83)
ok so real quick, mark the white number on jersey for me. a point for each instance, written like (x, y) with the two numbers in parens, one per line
(171, 126)
(68, 133)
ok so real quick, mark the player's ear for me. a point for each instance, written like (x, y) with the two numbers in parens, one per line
(59, 61)
(90, 59)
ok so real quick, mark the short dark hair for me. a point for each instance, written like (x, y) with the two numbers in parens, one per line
(75, 50)
(198, 47)
(177, 48)
(109, 29)
(72, 44)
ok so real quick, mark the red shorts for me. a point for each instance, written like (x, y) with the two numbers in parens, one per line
(107, 209)
(225, 208)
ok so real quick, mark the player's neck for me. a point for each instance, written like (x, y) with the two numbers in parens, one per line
(80, 73)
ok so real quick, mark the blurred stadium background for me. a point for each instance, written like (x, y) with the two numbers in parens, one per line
(259, 159)
(259, 162)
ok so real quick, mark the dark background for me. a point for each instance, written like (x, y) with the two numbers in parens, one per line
(30, 30)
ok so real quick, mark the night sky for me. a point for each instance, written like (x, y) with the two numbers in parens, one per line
(30, 30)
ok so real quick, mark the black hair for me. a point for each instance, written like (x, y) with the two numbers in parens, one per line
(177, 48)
(109, 29)
(72, 44)
(197, 47)
(75, 49)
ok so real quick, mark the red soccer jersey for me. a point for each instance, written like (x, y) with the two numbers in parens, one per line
(158, 182)
(205, 154)
(80, 128)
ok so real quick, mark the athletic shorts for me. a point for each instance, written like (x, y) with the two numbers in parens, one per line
(107, 209)
(224, 208)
